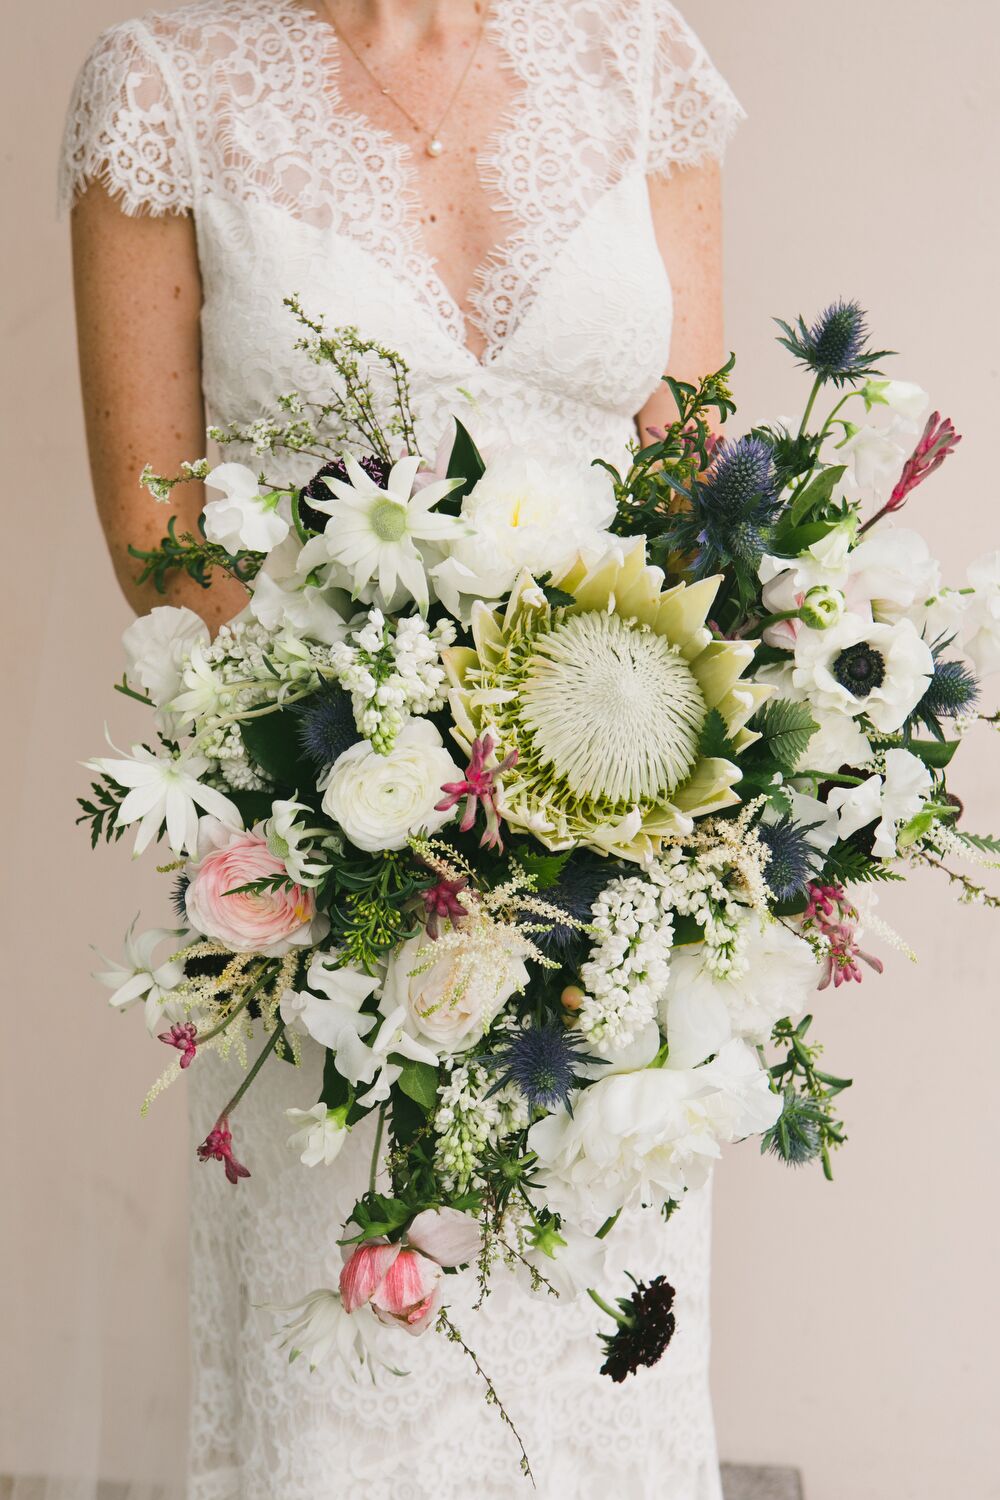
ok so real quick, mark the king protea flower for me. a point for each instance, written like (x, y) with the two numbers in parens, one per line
(604, 702)
(374, 533)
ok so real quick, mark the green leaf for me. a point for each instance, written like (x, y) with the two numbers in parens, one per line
(419, 1082)
(253, 807)
(336, 1089)
(934, 754)
(272, 742)
(792, 541)
(546, 868)
(817, 493)
(465, 463)
(984, 842)
(714, 742)
(785, 729)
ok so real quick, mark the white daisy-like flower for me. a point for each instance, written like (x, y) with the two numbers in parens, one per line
(860, 667)
(165, 789)
(290, 839)
(141, 978)
(321, 1326)
(373, 533)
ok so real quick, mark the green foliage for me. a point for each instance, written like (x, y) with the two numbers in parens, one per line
(101, 810)
(934, 753)
(194, 556)
(714, 740)
(985, 843)
(365, 896)
(272, 743)
(419, 1082)
(847, 864)
(785, 729)
(546, 868)
(465, 463)
(816, 493)
(811, 1127)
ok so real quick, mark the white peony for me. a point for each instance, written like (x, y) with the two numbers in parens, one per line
(247, 519)
(527, 511)
(380, 800)
(700, 1012)
(860, 667)
(452, 1002)
(981, 622)
(649, 1136)
(156, 647)
(893, 799)
(319, 1134)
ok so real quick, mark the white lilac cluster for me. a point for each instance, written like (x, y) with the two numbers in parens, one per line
(629, 964)
(470, 1118)
(393, 672)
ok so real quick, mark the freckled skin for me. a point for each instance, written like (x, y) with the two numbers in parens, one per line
(138, 289)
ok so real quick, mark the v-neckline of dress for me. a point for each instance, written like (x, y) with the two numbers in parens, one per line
(455, 318)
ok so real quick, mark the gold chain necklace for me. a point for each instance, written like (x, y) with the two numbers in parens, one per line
(433, 144)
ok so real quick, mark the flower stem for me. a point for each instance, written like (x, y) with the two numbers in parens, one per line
(608, 1225)
(265, 1053)
(376, 1148)
(817, 387)
(606, 1307)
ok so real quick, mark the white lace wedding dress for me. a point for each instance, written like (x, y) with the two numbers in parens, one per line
(229, 109)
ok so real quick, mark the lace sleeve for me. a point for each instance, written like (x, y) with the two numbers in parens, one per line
(693, 111)
(123, 128)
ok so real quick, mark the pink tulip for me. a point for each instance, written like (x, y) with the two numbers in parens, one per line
(400, 1286)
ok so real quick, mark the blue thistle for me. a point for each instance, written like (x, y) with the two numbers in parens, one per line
(835, 347)
(326, 724)
(796, 1136)
(178, 894)
(580, 882)
(733, 509)
(952, 690)
(793, 859)
(318, 489)
(541, 1061)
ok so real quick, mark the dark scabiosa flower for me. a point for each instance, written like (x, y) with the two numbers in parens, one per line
(792, 862)
(581, 881)
(734, 507)
(951, 691)
(646, 1325)
(835, 347)
(318, 489)
(326, 724)
(541, 1062)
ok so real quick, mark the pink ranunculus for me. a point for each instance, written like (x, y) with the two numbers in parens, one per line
(268, 921)
(401, 1286)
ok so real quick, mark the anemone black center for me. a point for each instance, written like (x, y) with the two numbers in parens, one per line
(860, 669)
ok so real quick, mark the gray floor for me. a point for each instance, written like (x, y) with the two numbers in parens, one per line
(739, 1482)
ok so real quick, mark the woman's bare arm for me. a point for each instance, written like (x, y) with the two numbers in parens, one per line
(687, 216)
(138, 296)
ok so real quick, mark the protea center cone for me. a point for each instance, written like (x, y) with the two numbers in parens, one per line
(605, 700)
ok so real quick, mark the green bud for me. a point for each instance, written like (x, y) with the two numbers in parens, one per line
(822, 607)
(546, 1238)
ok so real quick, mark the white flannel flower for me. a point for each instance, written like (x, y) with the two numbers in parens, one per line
(321, 1326)
(861, 667)
(319, 1134)
(165, 789)
(157, 646)
(375, 534)
(204, 694)
(981, 621)
(893, 799)
(247, 519)
(702, 1011)
(526, 511)
(292, 841)
(141, 978)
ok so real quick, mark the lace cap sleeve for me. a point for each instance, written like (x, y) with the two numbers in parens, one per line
(123, 128)
(693, 110)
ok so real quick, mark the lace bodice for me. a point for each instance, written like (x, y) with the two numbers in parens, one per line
(231, 110)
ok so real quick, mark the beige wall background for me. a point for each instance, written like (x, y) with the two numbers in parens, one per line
(856, 1324)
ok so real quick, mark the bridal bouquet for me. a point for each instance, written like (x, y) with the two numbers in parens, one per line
(545, 798)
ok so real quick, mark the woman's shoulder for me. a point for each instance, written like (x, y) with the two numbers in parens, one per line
(202, 30)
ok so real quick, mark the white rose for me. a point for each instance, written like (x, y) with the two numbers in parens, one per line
(888, 668)
(450, 1004)
(892, 799)
(380, 800)
(157, 646)
(530, 511)
(700, 1012)
(246, 518)
(981, 623)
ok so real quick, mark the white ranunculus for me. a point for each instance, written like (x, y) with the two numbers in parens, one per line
(157, 646)
(380, 800)
(319, 1134)
(247, 518)
(700, 1012)
(648, 1136)
(893, 799)
(889, 667)
(527, 511)
(450, 1004)
(981, 620)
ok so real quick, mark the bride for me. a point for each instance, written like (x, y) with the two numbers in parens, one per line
(522, 198)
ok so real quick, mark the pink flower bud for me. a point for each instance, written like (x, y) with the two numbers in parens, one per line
(401, 1286)
(447, 1236)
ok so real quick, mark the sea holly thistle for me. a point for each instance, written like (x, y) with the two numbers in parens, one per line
(835, 347)
(808, 1126)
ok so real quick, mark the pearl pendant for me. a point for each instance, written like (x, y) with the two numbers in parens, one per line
(435, 147)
